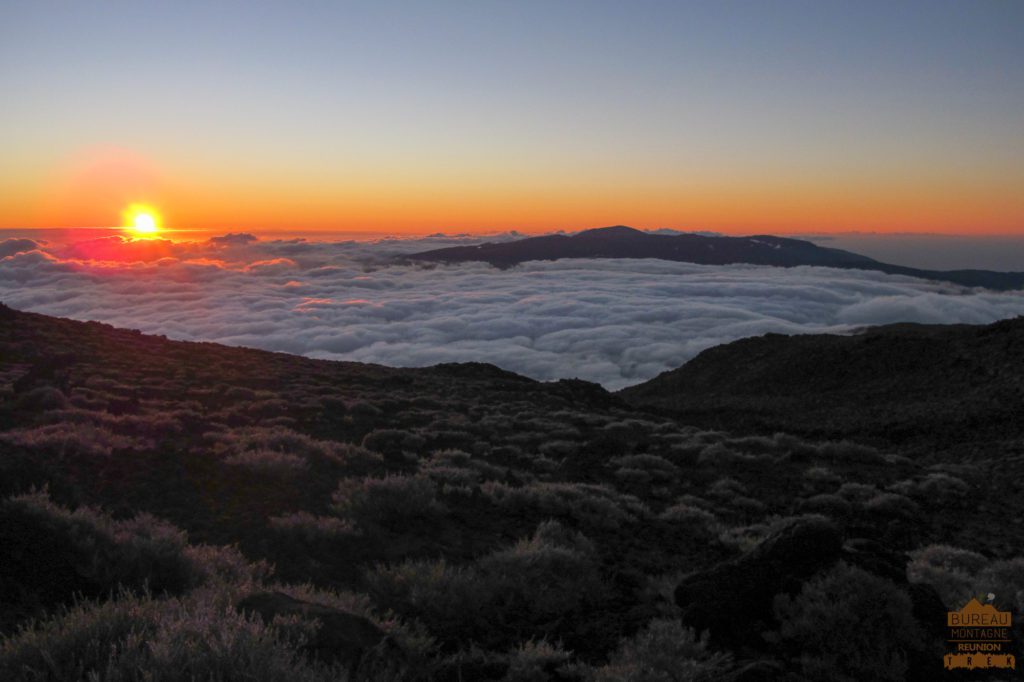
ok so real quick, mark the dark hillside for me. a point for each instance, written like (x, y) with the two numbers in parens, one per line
(934, 389)
(175, 510)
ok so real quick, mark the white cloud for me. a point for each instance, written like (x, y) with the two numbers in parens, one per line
(617, 322)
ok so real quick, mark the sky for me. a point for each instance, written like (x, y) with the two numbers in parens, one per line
(738, 117)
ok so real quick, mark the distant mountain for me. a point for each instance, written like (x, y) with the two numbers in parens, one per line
(627, 242)
(924, 388)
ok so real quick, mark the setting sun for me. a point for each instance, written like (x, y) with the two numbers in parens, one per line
(142, 220)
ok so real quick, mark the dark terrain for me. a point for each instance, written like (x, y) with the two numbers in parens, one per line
(780, 508)
(627, 242)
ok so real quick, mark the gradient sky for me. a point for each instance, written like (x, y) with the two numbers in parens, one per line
(413, 117)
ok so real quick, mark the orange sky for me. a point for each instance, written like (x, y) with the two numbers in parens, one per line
(92, 187)
(786, 117)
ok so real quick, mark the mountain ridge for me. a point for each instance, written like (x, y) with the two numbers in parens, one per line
(621, 241)
(916, 385)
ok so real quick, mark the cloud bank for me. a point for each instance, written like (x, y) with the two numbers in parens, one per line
(616, 322)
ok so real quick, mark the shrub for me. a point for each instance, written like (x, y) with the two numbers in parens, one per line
(743, 538)
(747, 506)
(218, 565)
(594, 506)
(850, 625)
(685, 454)
(558, 448)
(819, 476)
(658, 468)
(443, 464)
(540, 579)
(893, 505)
(291, 445)
(857, 493)
(312, 529)
(793, 448)
(392, 442)
(935, 489)
(534, 661)
(134, 638)
(726, 488)
(393, 502)
(66, 440)
(364, 412)
(846, 451)
(827, 504)
(417, 644)
(42, 398)
(449, 600)
(952, 571)
(452, 479)
(54, 551)
(693, 521)
(635, 478)
(664, 651)
(532, 588)
(721, 454)
(1004, 579)
(268, 462)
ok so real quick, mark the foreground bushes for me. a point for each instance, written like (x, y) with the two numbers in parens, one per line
(531, 589)
(850, 625)
(664, 651)
(959, 574)
(594, 507)
(393, 502)
(138, 637)
(94, 553)
(51, 553)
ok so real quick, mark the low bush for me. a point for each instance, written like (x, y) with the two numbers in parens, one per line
(664, 651)
(892, 505)
(312, 529)
(821, 477)
(849, 625)
(691, 521)
(54, 552)
(845, 451)
(394, 502)
(392, 442)
(537, 588)
(826, 504)
(950, 570)
(658, 468)
(1005, 580)
(172, 640)
(291, 446)
(72, 440)
(959, 574)
(935, 489)
(42, 398)
(857, 493)
(593, 506)
(535, 661)
(269, 462)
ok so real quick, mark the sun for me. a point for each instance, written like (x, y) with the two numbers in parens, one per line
(142, 220)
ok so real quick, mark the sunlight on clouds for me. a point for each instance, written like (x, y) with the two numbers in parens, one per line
(617, 322)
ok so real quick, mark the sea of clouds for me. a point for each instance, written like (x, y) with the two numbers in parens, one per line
(616, 322)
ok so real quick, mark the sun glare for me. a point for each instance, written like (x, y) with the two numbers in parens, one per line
(142, 221)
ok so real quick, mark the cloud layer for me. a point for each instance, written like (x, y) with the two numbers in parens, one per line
(616, 322)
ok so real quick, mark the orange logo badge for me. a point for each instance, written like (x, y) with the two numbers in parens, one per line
(980, 637)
